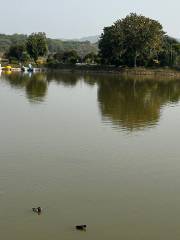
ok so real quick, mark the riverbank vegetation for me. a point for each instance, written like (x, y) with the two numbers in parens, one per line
(134, 41)
(54, 46)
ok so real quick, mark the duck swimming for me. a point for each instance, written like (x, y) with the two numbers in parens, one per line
(37, 210)
(81, 227)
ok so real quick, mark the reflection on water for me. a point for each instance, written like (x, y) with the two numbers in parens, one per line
(133, 104)
(129, 103)
(35, 85)
(65, 150)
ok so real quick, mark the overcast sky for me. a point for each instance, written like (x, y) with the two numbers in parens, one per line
(79, 18)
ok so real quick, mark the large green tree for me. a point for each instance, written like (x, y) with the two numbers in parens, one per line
(37, 45)
(131, 40)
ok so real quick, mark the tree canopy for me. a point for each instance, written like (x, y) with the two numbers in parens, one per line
(37, 45)
(131, 40)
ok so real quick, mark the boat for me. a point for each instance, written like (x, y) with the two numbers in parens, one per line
(24, 69)
(7, 68)
(27, 69)
(30, 68)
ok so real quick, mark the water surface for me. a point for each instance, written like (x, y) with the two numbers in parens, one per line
(91, 149)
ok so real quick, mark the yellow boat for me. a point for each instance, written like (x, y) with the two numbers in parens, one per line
(7, 68)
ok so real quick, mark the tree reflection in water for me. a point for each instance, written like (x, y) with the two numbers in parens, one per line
(35, 85)
(135, 104)
(131, 103)
(36, 88)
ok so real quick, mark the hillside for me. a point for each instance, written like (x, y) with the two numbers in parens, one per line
(82, 48)
(54, 45)
(7, 40)
(91, 39)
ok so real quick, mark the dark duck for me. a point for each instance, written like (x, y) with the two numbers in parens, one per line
(81, 227)
(37, 210)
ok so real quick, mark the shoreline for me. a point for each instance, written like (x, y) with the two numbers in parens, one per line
(140, 71)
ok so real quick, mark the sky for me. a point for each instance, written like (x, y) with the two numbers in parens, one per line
(70, 19)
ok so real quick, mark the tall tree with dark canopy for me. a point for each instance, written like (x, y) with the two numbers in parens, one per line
(37, 45)
(131, 39)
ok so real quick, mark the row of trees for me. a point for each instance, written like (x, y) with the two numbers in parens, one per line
(36, 46)
(133, 41)
(72, 57)
(138, 40)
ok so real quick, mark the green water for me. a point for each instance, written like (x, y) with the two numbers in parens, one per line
(89, 149)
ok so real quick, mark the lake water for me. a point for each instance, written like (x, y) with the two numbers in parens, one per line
(94, 149)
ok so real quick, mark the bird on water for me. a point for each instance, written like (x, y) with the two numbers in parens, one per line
(81, 227)
(37, 210)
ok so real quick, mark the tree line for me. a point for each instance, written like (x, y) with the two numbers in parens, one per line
(133, 41)
(38, 45)
(14, 46)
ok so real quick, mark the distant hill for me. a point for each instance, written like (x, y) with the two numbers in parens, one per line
(91, 39)
(7, 40)
(82, 47)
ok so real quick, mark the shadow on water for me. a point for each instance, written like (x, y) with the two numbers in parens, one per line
(131, 103)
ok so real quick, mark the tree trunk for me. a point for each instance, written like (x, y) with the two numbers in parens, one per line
(135, 59)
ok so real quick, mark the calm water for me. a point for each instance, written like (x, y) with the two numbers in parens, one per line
(90, 149)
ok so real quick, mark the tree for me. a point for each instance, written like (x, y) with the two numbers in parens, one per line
(16, 52)
(111, 45)
(131, 39)
(25, 57)
(90, 58)
(59, 56)
(70, 57)
(37, 45)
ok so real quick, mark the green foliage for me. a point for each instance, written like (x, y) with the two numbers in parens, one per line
(8, 40)
(37, 45)
(67, 57)
(54, 45)
(70, 57)
(58, 56)
(111, 45)
(25, 57)
(82, 48)
(17, 52)
(131, 40)
(90, 58)
(170, 53)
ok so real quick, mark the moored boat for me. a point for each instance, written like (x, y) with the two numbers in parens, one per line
(7, 68)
